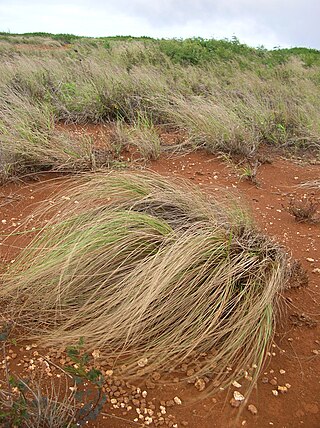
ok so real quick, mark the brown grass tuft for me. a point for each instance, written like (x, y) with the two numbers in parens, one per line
(150, 270)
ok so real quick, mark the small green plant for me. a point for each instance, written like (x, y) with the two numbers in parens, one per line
(13, 411)
(81, 374)
(250, 171)
(68, 89)
(29, 403)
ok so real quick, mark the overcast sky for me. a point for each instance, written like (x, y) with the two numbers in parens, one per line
(255, 22)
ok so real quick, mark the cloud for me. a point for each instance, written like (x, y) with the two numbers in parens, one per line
(289, 22)
(256, 22)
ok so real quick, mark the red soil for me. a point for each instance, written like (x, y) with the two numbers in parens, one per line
(295, 346)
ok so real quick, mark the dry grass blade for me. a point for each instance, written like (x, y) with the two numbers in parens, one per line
(147, 269)
(315, 184)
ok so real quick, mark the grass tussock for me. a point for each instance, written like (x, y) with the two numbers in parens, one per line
(211, 125)
(152, 273)
(141, 135)
(29, 140)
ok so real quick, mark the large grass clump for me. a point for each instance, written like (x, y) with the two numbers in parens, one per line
(152, 273)
(31, 142)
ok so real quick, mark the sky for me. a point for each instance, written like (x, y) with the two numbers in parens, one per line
(270, 23)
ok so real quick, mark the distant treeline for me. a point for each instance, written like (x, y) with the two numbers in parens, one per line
(192, 51)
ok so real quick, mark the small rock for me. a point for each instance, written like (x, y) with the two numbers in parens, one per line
(96, 354)
(252, 409)
(200, 384)
(236, 384)
(309, 259)
(316, 270)
(265, 380)
(281, 371)
(177, 400)
(273, 382)
(315, 352)
(162, 410)
(275, 392)
(282, 389)
(238, 396)
(184, 423)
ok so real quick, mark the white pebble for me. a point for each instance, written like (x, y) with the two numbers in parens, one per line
(238, 396)
(177, 400)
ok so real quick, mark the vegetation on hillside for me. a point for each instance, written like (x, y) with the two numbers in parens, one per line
(222, 95)
(128, 264)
